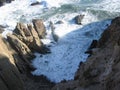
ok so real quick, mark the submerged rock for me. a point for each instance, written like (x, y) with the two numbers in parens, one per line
(59, 22)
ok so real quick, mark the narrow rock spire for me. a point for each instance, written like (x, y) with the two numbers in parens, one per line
(54, 35)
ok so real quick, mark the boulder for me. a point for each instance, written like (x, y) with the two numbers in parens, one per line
(59, 22)
(39, 27)
(9, 1)
(35, 3)
(78, 19)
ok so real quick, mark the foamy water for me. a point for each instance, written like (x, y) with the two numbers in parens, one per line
(68, 52)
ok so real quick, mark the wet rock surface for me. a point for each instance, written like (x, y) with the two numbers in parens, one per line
(78, 19)
(1, 29)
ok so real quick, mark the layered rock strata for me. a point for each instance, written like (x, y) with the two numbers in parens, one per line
(16, 53)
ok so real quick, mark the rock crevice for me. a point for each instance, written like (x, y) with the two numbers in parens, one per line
(16, 53)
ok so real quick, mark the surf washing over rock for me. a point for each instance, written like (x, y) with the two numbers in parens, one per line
(73, 40)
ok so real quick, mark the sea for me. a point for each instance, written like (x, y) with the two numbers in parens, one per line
(67, 53)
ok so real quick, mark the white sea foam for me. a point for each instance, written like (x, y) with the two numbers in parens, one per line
(66, 54)
(74, 39)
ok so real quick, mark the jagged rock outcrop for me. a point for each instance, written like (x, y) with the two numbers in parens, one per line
(20, 47)
(101, 71)
(39, 27)
(30, 37)
(16, 53)
(54, 35)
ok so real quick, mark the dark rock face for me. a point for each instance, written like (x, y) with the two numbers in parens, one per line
(35, 3)
(59, 22)
(1, 29)
(2, 2)
(92, 46)
(101, 71)
(78, 19)
(110, 33)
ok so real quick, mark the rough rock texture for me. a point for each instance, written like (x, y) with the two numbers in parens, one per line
(101, 71)
(16, 53)
(9, 75)
(30, 37)
(78, 19)
(20, 47)
(36, 43)
(39, 27)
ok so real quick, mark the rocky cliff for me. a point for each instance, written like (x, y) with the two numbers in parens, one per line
(101, 71)
(16, 53)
